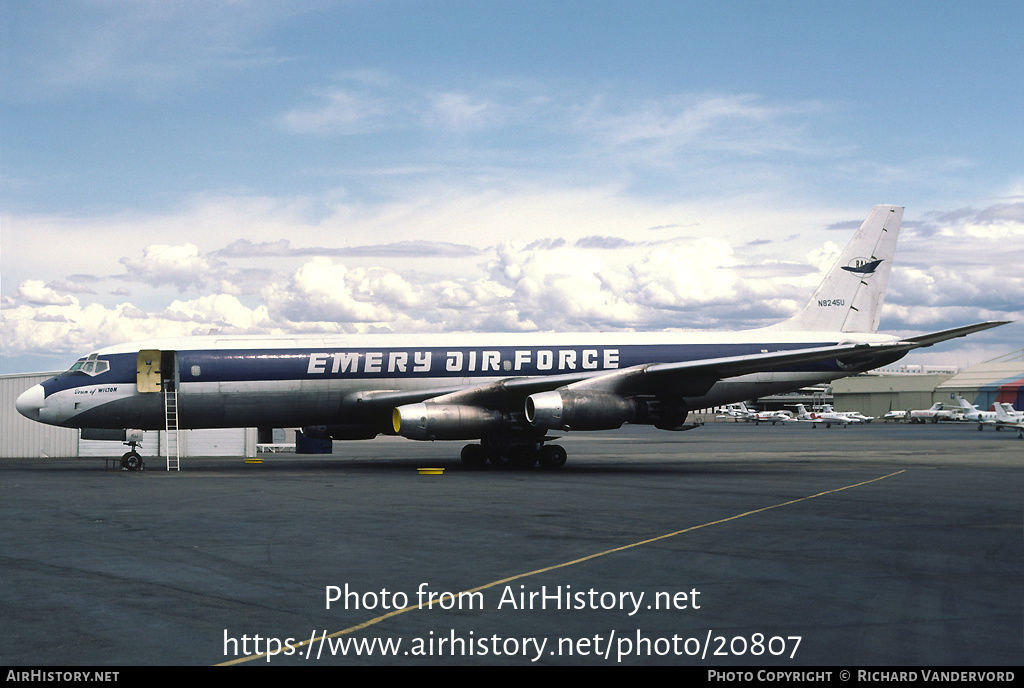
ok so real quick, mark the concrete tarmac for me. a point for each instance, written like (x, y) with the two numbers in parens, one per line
(729, 545)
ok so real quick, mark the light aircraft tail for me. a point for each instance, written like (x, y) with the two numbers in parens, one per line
(850, 297)
(1006, 413)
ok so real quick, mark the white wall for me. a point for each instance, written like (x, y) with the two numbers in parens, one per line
(23, 438)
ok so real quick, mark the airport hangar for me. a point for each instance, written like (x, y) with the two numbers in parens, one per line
(873, 394)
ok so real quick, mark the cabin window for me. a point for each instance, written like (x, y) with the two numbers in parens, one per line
(196, 371)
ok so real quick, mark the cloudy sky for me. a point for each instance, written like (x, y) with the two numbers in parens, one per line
(418, 166)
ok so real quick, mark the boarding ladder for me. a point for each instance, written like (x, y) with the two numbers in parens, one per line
(173, 433)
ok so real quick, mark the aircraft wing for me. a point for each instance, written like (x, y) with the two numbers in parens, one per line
(684, 378)
(696, 377)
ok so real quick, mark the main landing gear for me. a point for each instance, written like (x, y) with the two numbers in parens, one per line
(513, 452)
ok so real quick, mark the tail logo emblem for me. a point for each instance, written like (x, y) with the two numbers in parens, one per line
(862, 266)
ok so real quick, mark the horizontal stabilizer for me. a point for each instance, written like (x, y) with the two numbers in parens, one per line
(936, 337)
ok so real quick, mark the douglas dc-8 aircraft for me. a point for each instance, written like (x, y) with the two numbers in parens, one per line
(508, 391)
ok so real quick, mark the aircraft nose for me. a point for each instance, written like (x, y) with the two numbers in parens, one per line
(31, 402)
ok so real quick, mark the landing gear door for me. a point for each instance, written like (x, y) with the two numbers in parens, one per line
(148, 375)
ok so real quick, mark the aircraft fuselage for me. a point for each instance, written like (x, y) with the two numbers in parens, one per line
(302, 381)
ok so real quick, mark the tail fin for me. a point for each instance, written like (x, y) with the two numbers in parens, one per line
(850, 297)
(1009, 413)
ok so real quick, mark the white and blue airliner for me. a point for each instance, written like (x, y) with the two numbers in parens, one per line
(505, 392)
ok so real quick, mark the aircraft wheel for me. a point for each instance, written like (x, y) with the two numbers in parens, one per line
(525, 457)
(553, 456)
(496, 457)
(473, 456)
(131, 462)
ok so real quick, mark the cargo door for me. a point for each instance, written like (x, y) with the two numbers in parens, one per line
(148, 371)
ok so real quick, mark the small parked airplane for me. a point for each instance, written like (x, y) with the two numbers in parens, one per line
(739, 411)
(505, 392)
(933, 414)
(1011, 413)
(895, 415)
(1009, 418)
(975, 415)
(828, 417)
(854, 416)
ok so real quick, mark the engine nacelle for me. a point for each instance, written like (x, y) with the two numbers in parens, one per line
(565, 410)
(430, 421)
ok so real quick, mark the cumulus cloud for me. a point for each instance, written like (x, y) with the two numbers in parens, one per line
(73, 329)
(181, 266)
(824, 256)
(963, 261)
(223, 310)
(1000, 220)
(49, 317)
(561, 287)
(36, 292)
(691, 272)
(322, 290)
(481, 295)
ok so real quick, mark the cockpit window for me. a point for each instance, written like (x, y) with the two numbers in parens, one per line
(90, 366)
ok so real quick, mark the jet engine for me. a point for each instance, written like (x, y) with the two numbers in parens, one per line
(567, 410)
(430, 421)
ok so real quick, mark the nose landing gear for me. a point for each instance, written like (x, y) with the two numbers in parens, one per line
(132, 461)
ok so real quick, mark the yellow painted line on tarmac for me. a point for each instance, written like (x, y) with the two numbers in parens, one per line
(383, 617)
